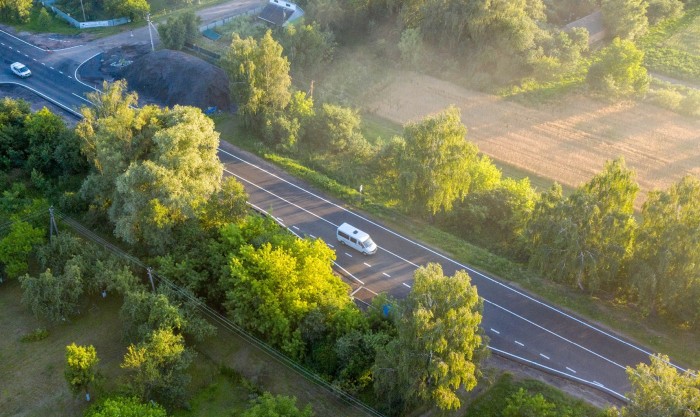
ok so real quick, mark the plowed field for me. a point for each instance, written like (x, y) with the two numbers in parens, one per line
(567, 141)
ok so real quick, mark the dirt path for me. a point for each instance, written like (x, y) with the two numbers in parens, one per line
(568, 141)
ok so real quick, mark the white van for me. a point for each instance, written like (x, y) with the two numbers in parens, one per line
(356, 239)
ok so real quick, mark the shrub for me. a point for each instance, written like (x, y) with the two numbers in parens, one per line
(35, 336)
(667, 98)
(691, 104)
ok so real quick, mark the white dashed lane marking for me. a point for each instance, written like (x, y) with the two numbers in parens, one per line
(348, 254)
(387, 275)
(570, 369)
(495, 331)
(518, 343)
(544, 356)
(295, 228)
(312, 236)
(330, 246)
(406, 285)
(367, 265)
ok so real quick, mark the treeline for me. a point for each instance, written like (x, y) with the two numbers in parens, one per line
(151, 177)
(491, 42)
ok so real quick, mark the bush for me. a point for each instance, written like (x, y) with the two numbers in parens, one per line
(667, 98)
(691, 104)
(35, 336)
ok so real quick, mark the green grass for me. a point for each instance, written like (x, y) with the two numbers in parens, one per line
(492, 402)
(375, 127)
(57, 24)
(225, 395)
(671, 47)
(36, 367)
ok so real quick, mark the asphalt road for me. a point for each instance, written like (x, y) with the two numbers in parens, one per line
(47, 80)
(518, 325)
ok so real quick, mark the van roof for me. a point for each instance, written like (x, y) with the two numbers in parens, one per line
(353, 231)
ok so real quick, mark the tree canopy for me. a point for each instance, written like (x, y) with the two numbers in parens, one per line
(152, 168)
(619, 70)
(440, 342)
(665, 268)
(81, 363)
(436, 164)
(660, 389)
(585, 239)
(258, 76)
(157, 368)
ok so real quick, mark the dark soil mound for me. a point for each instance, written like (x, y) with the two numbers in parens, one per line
(171, 77)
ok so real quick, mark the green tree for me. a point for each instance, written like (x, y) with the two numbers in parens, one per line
(133, 9)
(495, 218)
(437, 161)
(81, 364)
(625, 19)
(665, 268)
(13, 138)
(227, 205)
(16, 246)
(619, 71)
(179, 29)
(523, 404)
(153, 168)
(259, 77)
(125, 407)
(143, 313)
(411, 47)
(54, 298)
(44, 19)
(268, 405)
(53, 149)
(272, 286)
(585, 239)
(158, 368)
(334, 129)
(440, 342)
(15, 10)
(307, 47)
(659, 389)
(659, 10)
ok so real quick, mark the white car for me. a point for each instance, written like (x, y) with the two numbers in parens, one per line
(20, 70)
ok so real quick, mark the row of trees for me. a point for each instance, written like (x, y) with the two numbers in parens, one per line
(586, 239)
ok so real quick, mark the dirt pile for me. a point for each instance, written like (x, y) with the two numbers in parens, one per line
(170, 77)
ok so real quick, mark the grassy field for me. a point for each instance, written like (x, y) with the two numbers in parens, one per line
(36, 368)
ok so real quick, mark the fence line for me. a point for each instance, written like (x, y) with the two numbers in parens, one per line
(226, 20)
(84, 25)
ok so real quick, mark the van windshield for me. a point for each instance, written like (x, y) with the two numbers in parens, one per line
(367, 243)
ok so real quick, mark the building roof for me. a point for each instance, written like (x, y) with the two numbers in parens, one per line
(279, 12)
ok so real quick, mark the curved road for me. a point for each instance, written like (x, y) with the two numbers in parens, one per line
(518, 325)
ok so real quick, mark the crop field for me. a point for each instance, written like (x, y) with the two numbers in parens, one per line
(568, 140)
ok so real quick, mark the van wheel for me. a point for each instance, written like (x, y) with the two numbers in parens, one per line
(365, 253)
(341, 242)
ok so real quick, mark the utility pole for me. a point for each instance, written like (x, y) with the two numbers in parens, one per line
(148, 21)
(83, 7)
(52, 224)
